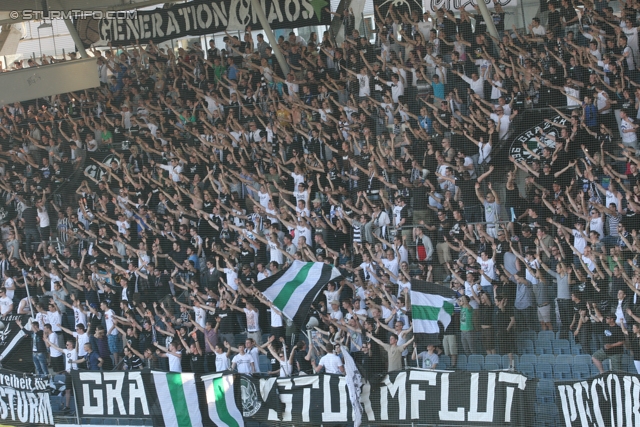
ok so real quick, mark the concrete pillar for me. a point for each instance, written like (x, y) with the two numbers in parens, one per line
(76, 38)
(257, 7)
(487, 19)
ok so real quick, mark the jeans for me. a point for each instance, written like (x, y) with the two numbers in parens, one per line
(40, 363)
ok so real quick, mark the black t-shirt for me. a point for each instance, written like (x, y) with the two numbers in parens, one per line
(29, 216)
(227, 320)
(503, 318)
(612, 335)
(197, 363)
(305, 365)
(467, 190)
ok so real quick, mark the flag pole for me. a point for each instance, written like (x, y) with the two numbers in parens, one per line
(75, 400)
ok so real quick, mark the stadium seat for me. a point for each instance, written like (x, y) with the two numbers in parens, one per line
(561, 347)
(575, 348)
(544, 347)
(565, 358)
(562, 372)
(461, 364)
(529, 358)
(546, 391)
(445, 362)
(505, 361)
(581, 372)
(544, 370)
(606, 365)
(547, 335)
(582, 359)
(475, 359)
(594, 370)
(493, 358)
(265, 364)
(491, 366)
(547, 414)
(526, 347)
(474, 367)
(527, 335)
(527, 369)
(626, 363)
(547, 358)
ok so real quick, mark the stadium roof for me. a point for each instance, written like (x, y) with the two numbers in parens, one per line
(7, 6)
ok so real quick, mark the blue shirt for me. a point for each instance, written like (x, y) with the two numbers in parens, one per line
(232, 72)
(438, 90)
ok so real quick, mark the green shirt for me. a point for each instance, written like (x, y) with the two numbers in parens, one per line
(466, 319)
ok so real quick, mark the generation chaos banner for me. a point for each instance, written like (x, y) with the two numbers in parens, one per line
(200, 17)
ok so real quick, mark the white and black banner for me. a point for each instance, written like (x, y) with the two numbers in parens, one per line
(112, 394)
(200, 17)
(403, 397)
(24, 399)
(469, 5)
(434, 397)
(611, 399)
(450, 398)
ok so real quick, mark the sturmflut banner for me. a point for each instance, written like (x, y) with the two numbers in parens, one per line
(24, 399)
(434, 397)
(450, 398)
(200, 17)
(611, 399)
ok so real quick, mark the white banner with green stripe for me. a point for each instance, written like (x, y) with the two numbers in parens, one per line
(428, 309)
(178, 399)
(221, 402)
(293, 290)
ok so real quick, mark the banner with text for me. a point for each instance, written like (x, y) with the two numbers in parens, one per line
(24, 399)
(112, 394)
(200, 17)
(454, 398)
(469, 5)
(450, 398)
(608, 399)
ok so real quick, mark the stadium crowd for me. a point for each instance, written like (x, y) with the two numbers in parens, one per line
(221, 169)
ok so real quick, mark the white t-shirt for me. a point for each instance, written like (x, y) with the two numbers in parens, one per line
(627, 137)
(222, 362)
(331, 363)
(365, 89)
(243, 363)
(5, 305)
(579, 242)
(255, 355)
(70, 355)
(231, 277)
(175, 362)
(44, 218)
(81, 340)
(489, 270)
(252, 320)
(392, 266)
(200, 315)
(274, 253)
(276, 318)
(108, 320)
(597, 224)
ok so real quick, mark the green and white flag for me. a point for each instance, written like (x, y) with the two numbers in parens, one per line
(428, 309)
(292, 291)
(221, 402)
(178, 399)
